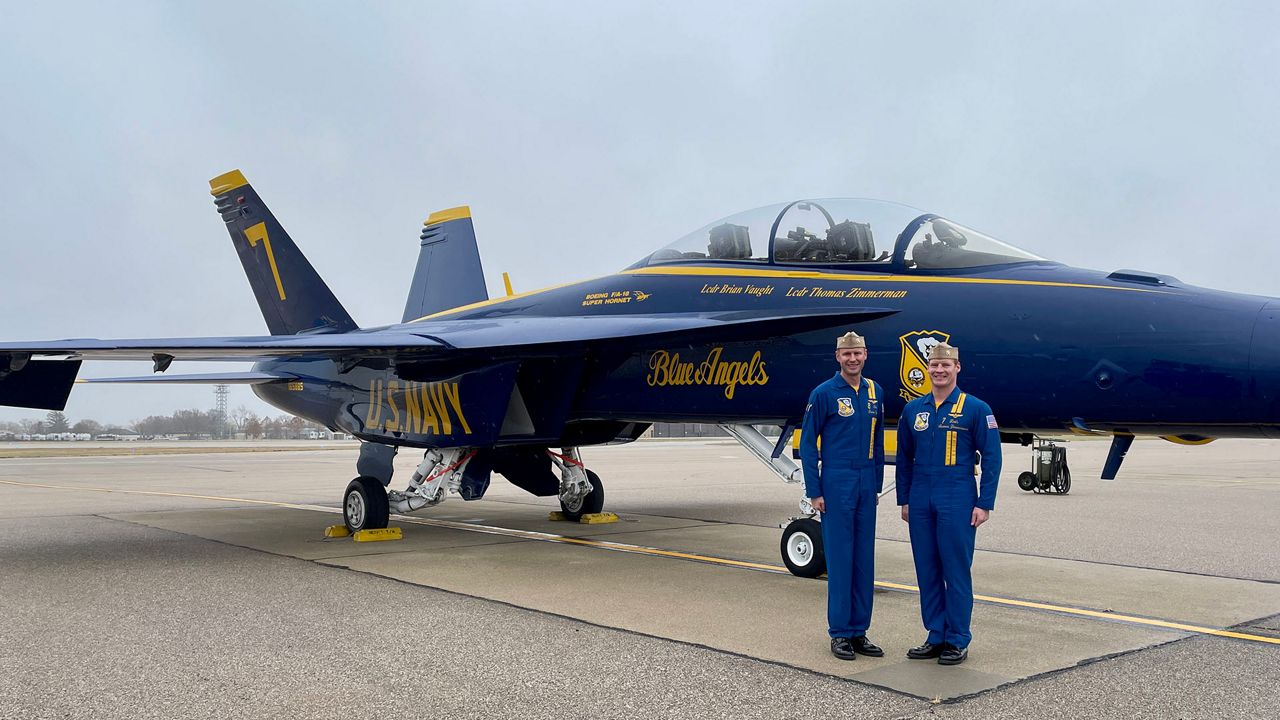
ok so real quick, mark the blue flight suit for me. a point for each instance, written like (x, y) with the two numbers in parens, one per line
(936, 447)
(850, 422)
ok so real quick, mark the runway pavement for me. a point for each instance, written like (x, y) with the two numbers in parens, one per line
(201, 585)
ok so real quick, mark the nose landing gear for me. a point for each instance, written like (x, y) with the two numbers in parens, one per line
(801, 547)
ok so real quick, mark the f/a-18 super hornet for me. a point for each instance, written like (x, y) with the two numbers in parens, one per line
(731, 324)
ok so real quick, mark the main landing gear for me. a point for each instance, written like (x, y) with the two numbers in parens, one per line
(364, 504)
(581, 492)
(1049, 472)
(367, 504)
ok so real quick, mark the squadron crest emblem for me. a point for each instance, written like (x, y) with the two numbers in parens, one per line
(922, 421)
(913, 368)
(845, 406)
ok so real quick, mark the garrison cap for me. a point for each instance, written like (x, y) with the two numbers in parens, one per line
(943, 351)
(850, 340)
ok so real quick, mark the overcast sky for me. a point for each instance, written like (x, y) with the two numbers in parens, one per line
(585, 135)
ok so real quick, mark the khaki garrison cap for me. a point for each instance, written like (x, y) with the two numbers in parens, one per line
(943, 351)
(850, 340)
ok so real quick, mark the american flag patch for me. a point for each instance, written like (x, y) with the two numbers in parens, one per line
(991, 423)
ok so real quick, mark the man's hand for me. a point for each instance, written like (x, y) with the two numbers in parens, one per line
(904, 513)
(818, 504)
(979, 516)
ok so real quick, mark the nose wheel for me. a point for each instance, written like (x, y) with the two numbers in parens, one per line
(802, 548)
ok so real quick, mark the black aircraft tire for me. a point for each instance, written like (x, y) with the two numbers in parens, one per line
(364, 505)
(1062, 483)
(1027, 481)
(592, 503)
(801, 548)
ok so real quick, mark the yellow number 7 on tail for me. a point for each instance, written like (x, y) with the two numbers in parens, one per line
(259, 232)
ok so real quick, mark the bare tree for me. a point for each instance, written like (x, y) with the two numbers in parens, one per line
(56, 422)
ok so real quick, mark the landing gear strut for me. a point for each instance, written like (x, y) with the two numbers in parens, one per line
(439, 473)
(801, 545)
(581, 492)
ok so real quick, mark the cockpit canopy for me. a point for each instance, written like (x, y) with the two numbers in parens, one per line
(841, 231)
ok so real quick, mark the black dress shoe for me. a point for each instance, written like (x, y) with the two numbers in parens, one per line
(925, 652)
(863, 646)
(841, 648)
(953, 655)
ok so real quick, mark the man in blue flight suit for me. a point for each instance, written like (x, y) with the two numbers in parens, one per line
(847, 413)
(938, 435)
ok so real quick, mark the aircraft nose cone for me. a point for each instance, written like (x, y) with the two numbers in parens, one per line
(1264, 365)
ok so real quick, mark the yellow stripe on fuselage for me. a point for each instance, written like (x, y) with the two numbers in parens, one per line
(783, 274)
(860, 277)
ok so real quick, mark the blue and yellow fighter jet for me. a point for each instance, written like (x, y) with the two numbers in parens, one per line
(731, 324)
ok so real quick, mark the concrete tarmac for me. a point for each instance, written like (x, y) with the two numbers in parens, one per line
(200, 585)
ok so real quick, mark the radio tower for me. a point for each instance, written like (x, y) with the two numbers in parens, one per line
(220, 393)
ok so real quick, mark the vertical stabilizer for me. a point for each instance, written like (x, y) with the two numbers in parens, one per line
(449, 273)
(290, 293)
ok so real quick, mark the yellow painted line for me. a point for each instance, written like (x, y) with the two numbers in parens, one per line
(657, 552)
(157, 493)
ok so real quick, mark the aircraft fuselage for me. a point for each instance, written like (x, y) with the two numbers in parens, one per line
(1050, 347)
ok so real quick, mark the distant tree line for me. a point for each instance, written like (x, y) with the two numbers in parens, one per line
(240, 422)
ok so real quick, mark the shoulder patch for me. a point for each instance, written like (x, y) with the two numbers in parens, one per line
(991, 423)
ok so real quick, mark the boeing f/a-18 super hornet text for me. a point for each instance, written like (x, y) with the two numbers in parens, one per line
(732, 324)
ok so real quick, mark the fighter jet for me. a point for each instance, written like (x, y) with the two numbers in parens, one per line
(731, 324)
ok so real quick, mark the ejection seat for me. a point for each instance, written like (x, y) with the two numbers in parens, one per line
(851, 242)
(729, 242)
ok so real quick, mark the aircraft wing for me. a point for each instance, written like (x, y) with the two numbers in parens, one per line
(426, 339)
(230, 378)
(226, 348)
(46, 384)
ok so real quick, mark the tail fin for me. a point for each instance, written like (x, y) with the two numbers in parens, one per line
(449, 272)
(290, 293)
